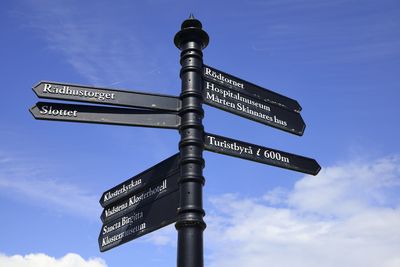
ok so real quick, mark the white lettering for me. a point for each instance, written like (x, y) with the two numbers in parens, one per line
(77, 91)
(49, 110)
(125, 189)
(223, 79)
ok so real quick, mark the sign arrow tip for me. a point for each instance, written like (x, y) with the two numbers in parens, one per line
(36, 88)
(32, 111)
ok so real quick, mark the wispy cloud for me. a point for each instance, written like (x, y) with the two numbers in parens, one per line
(43, 260)
(345, 216)
(100, 48)
(103, 43)
(24, 179)
(338, 30)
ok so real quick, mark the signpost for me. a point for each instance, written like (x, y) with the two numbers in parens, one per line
(104, 115)
(172, 190)
(191, 40)
(105, 96)
(265, 155)
(251, 108)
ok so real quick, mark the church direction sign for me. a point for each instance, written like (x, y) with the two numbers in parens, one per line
(142, 220)
(105, 115)
(265, 155)
(98, 95)
(148, 194)
(138, 182)
(251, 108)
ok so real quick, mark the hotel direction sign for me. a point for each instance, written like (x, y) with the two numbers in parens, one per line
(140, 181)
(105, 115)
(136, 200)
(265, 155)
(228, 81)
(143, 220)
(98, 95)
(236, 102)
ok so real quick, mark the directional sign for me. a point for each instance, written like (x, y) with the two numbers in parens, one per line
(143, 179)
(82, 93)
(139, 222)
(231, 82)
(251, 108)
(146, 195)
(239, 149)
(105, 115)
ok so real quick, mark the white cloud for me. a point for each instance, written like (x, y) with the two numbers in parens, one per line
(165, 236)
(346, 216)
(42, 260)
(348, 188)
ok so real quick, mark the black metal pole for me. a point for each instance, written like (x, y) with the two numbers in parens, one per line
(191, 39)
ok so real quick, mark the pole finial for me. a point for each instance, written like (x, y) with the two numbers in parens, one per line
(191, 29)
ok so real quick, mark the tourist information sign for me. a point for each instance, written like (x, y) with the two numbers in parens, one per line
(251, 108)
(105, 115)
(148, 194)
(143, 179)
(98, 95)
(239, 149)
(140, 221)
(231, 82)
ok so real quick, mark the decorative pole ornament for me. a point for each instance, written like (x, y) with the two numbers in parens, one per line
(191, 39)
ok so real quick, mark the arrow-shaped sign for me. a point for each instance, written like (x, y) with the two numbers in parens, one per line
(105, 115)
(252, 108)
(146, 195)
(138, 182)
(98, 95)
(139, 222)
(265, 155)
(232, 82)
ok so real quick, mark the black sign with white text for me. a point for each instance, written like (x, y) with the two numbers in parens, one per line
(231, 82)
(146, 195)
(143, 179)
(82, 93)
(105, 115)
(139, 222)
(273, 157)
(251, 108)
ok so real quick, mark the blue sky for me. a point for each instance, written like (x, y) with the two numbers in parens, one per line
(339, 59)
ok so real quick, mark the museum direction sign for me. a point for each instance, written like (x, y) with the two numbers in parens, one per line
(251, 108)
(98, 95)
(228, 81)
(105, 115)
(273, 157)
